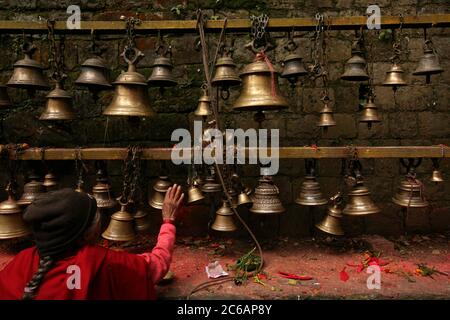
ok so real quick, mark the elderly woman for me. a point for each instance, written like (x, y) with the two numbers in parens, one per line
(65, 264)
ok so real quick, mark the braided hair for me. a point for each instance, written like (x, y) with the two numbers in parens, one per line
(30, 291)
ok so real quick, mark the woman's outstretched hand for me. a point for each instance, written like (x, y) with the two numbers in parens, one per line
(172, 202)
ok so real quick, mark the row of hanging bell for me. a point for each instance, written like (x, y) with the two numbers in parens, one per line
(160, 188)
(332, 222)
(266, 198)
(11, 223)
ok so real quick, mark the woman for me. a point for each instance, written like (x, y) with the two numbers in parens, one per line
(65, 264)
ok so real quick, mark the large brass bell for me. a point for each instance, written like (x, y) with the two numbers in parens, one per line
(162, 68)
(141, 221)
(266, 198)
(224, 220)
(310, 194)
(160, 188)
(5, 101)
(94, 75)
(28, 73)
(355, 67)
(370, 114)
(326, 115)
(332, 222)
(204, 104)
(121, 226)
(11, 222)
(429, 63)
(31, 191)
(259, 89)
(102, 192)
(394, 77)
(59, 105)
(50, 182)
(410, 194)
(131, 95)
(359, 202)
(195, 195)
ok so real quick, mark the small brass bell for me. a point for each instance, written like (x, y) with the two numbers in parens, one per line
(394, 77)
(211, 185)
(5, 101)
(141, 220)
(102, 192)
(370, 114)
(160, 188)
(162, 69)
(94, 75)
(131, 95)
(266, 198)
(244, 199)
(410, 194)
(204, 105)
(225, 75)
(224, 219)
(195, 195)
(293, 68)
(121, 226)
(28, 73)
(50, 182)
(259, 89)
(332, 222)
(11, 222)
(429, 63)
(31, 191)
(310, 194)
(355, 67)
(359, 201)
(326, 115)
(59, 105)
(436, 175)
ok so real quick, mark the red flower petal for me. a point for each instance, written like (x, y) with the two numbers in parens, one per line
(343, 275)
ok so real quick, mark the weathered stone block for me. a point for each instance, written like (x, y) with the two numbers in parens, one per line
(434, 124)
(403, 124)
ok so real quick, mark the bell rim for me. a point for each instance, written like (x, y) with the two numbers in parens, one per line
(18, 234)
(423, 204)
(355, 212)
(322, 228)
(320, 202)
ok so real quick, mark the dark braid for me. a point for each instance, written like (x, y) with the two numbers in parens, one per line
(30, 291)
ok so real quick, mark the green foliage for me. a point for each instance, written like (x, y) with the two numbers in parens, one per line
(385, 35)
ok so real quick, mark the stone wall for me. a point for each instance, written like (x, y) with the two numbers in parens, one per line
(419, 116)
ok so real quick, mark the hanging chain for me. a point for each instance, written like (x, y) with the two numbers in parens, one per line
(258, 30)
(56, 54)
(131, 174)
(131, 23)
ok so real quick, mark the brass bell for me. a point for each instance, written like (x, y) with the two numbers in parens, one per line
(436, 176)
(293, 68)
(121, 226)
(31, 191)
(50, 183)
(224, 219)
(225, 75)
(370, 114)
(310, 194)
(59, 105)
(259, 89)
(394, 77)
(162, 69)
(102, 192)
(94, 75)
(5, 101)
(141, 221)
(355, 67)
(429, 63)
(359, 201)
(266, 199)
(326, 115)
(211, 185)
(410, 194)
(28, 73)
(244, 199)
(11, 222)
(195, 195)
(160, 188)
(130, 96)
(204, 105)
(332, 222)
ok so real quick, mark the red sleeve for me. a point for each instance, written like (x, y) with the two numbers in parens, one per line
(161, 256)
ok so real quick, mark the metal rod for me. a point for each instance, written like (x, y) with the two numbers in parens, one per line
(233, 25)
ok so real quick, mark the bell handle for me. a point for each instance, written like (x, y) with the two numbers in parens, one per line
(134, 58)
(252, 47)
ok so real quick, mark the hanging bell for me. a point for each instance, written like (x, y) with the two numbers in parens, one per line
(293, 68)
(359, 201)
(225, 75)
(266, 199)
(410, 194)
(355, 67)
(195, 195)
(204, 105)
(28, 73)
(59, 105)
(5, 101)
(102, 192)
(332, 222)
(436, 176)
(310, 194)
(50, 182)
(244, 199)
(11, 222)
(370, 114)
(94, 75)
(259, 89)
(130, 96)
(429, 63)
(31, 191)
(211, 185)
(224, 219)
(120, 226)
(162, 70)
(160, 188)
(394, 77)
(141, 221)
(326, 115)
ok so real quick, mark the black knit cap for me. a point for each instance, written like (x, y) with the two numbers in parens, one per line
(59, 218)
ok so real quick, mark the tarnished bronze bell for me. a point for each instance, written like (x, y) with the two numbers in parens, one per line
(94, 75)
(141, 219)
(293, 68)
(31, 190)
(370, 114)
(211, 185)
(11, 222)
(225, 75)
(429, 63)
(204, 105)
(5, 101)
(394, 77)
(332, 222)
(266, 199)
(326, 115)
(359, 202)
(121, 226)
(102, 192)
(50, 182)
(410, 194)
(355, 67)
(310, 194)
(160, 188)
(195, 195)
(28, 73)
(130, 95)
(259, 89)
(244, 199)
(59, 105)
(224, 220)
(162, 73)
